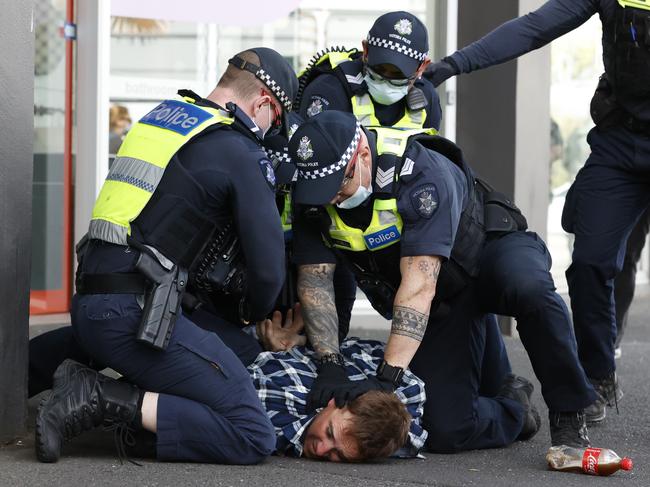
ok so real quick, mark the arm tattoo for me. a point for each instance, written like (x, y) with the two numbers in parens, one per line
(409, 262)
(316, 293)
(431, 270)
(409, 322)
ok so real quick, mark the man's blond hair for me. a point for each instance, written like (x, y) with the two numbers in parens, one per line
(243, 83)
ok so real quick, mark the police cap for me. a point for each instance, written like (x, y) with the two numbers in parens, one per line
(321, 148)
(275, 72)
(277, 148)
(400, 39)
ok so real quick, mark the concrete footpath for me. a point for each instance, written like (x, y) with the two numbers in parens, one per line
(91, 459)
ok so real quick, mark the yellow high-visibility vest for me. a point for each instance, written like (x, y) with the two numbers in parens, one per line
(386, 224)
(642, 4)
(141, 161)
(363, 106)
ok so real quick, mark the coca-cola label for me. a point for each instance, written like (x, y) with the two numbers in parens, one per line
(590, 461)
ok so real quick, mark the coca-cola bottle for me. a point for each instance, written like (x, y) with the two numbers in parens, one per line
(592, 461)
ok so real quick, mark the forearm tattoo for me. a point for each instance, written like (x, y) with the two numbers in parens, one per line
(409, 322)
(430, 269)
(316, 293)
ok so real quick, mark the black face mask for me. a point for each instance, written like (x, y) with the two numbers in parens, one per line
(273, 131)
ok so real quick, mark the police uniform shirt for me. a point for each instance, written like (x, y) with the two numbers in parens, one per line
(239, 181)
(238, 185)
(524, 34)
(326, 92)
(431, 194)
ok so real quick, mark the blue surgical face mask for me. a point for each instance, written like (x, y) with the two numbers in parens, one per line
(360, 195)
(385, 93)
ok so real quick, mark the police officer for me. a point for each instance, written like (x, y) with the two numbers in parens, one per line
(345, 288)
(434, 250)
(185, 172)
(610, 192)
(381, 85)
(211, 309)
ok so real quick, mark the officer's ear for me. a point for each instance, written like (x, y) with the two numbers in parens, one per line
(364, 44)
(259, 102)
(365, 154)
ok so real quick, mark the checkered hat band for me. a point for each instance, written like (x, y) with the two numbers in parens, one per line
(275, 88)
(281, 157)
(395, 46)
(337, 166)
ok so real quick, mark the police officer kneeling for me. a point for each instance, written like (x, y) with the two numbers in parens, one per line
(434, 250)
(184, 173)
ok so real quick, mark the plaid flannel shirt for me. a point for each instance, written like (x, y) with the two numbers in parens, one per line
(283, 380)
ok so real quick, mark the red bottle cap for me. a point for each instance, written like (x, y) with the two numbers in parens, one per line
(626, 464)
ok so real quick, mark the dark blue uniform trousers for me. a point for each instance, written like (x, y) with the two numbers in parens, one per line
(208, 410)
(48, 350)
(625, 282)
(462, 359)
(609, 195)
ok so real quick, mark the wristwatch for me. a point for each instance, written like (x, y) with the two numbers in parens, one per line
(390, 373)
(331, 358)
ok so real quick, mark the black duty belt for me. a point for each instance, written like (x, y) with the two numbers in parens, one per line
(111, 283)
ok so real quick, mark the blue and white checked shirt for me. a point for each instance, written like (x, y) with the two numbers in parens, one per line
(283, 380)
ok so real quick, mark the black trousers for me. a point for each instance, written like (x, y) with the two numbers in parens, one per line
(49, 350)
(624, 283)
(608, 197)
(514, 280)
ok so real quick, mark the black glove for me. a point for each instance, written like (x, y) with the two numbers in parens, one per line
(372, 383)
(441, 71)
(357, 388)
(333, 382)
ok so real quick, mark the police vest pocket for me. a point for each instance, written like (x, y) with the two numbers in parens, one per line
(110, 306)
(206, 350)
(470, 239)
(502, 215)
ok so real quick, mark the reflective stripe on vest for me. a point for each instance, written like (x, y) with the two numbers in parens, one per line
(364, 109)
(642, 4)
(141, 162)
(334, 58)
(394, 141)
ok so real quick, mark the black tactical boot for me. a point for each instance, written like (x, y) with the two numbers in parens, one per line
(568, 429)
(609, 393)
(520, 389)
(81, 399)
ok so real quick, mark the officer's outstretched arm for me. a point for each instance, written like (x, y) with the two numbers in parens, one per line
(411, 307)
(316, 295)
(524, 34)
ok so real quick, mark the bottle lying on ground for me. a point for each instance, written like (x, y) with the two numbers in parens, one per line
(592, 461)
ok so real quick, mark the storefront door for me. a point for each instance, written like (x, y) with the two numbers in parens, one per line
(52, 184)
